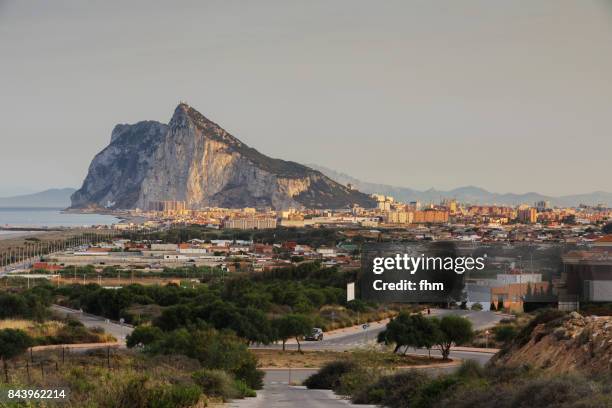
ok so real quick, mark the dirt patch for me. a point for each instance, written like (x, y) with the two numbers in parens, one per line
(314, 359)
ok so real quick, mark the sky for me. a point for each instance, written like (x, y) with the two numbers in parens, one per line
(511, 96)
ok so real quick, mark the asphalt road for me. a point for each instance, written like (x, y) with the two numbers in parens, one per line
(279, 391)
(367, 338)
(119, 331)
(281, 396)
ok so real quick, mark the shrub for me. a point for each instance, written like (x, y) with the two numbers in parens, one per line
(356, 379)
(214, 350)
(470, 369)
(512, 389)
(357, 305)
(328, 377)
(13, 342)
(243, 389)
(174, 396)
(397, 390)
(435, 390)
(133, 393)
(505, 333)
(551, 392)
(216, 383)
(551, 317)
(12, 306)
(140, 392)
(143, 335)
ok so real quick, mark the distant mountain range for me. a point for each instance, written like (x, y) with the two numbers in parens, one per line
(60, 197)
(468, 194)
(55, 197)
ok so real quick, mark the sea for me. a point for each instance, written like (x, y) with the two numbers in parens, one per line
(30, 217)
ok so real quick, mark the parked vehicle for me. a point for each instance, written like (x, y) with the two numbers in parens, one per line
(315, 335)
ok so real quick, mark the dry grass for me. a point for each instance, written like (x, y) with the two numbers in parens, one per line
(16, 324)
(33, 328)
(314, 359)
(94, 381)
(51, 329)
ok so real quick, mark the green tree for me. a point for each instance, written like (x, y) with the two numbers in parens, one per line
(12, 344)
(292, 325)
(452, 330)
(12, 305)
(143, 335)
(408, 330)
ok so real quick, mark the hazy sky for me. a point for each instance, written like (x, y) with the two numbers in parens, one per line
(506, 95)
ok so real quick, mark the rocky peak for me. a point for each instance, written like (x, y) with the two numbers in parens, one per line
(185, 116)
(193, 159)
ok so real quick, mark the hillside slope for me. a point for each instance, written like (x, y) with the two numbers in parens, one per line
(561, 343)
(193, 159)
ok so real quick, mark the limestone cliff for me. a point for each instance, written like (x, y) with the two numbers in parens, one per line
(194, 160)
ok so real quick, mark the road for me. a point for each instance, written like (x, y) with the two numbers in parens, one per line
(119, 331)
(279, 391)
(364, 338)
(280, 396)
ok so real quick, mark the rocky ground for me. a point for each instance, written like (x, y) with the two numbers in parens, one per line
(562, 343)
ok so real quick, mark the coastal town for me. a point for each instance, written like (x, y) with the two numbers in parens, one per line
(233, 241)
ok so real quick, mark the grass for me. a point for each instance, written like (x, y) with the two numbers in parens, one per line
(482, 340)
(20, 324)
(57, 332)
(314, 359)
(126, 379)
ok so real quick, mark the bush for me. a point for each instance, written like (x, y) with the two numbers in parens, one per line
(13, 342)
(214, 350)
(243, 389)
(174, 396)
(519, 392)
(71, 334)
(140, 392)
(470, 369)
(505, 333)
(143, 335)
(12, 306)
(328, 377)
(216, 383)
(551, 392)
(396, 390)
(435, 390)
(357, 305)
(551, 317)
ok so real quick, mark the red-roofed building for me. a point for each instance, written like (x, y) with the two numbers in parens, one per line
(44, 266)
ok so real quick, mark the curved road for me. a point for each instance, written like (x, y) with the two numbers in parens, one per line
(118, 330)
(279, 391)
